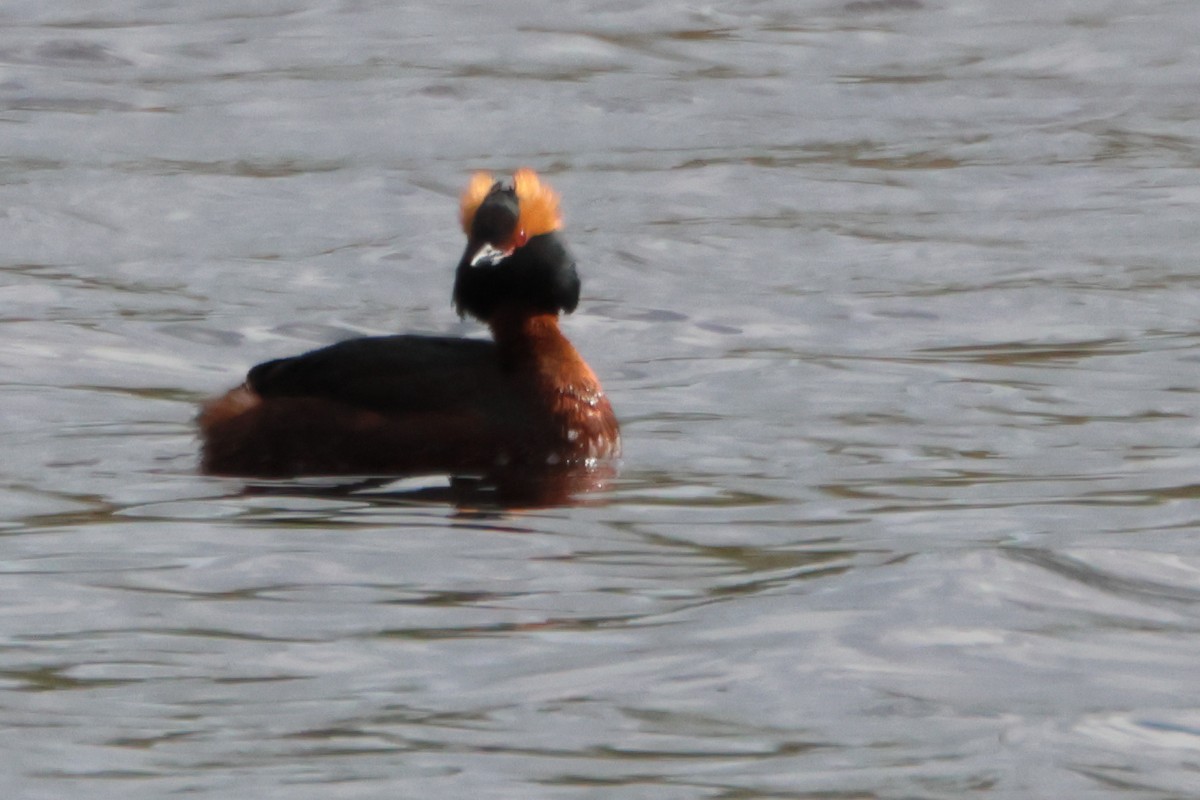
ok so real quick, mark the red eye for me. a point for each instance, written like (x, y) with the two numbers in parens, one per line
(520, 238)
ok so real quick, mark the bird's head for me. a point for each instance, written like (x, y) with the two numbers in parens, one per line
(515, 257)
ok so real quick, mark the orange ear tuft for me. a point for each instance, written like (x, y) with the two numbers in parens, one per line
(538, 203)
(472, 196)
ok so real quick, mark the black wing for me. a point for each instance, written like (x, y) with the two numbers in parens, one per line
(388, 373)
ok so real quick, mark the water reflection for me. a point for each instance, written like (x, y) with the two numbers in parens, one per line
(511, 489)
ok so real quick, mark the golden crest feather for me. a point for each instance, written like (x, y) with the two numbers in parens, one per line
(538, 203)
(472, 197)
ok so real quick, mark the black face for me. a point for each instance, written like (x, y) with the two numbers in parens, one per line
(496, 216)
(538, 276)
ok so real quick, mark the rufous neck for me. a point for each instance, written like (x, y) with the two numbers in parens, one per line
(530, 337)
(517, 325)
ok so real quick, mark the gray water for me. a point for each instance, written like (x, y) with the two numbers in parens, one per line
(896, 300)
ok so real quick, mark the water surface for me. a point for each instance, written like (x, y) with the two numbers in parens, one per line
(895, 299)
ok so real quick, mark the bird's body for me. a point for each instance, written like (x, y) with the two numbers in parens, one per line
(394, 405)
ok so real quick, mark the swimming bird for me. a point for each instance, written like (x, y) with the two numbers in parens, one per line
(411, 404)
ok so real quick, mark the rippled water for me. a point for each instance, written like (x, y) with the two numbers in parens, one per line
(896, 300)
